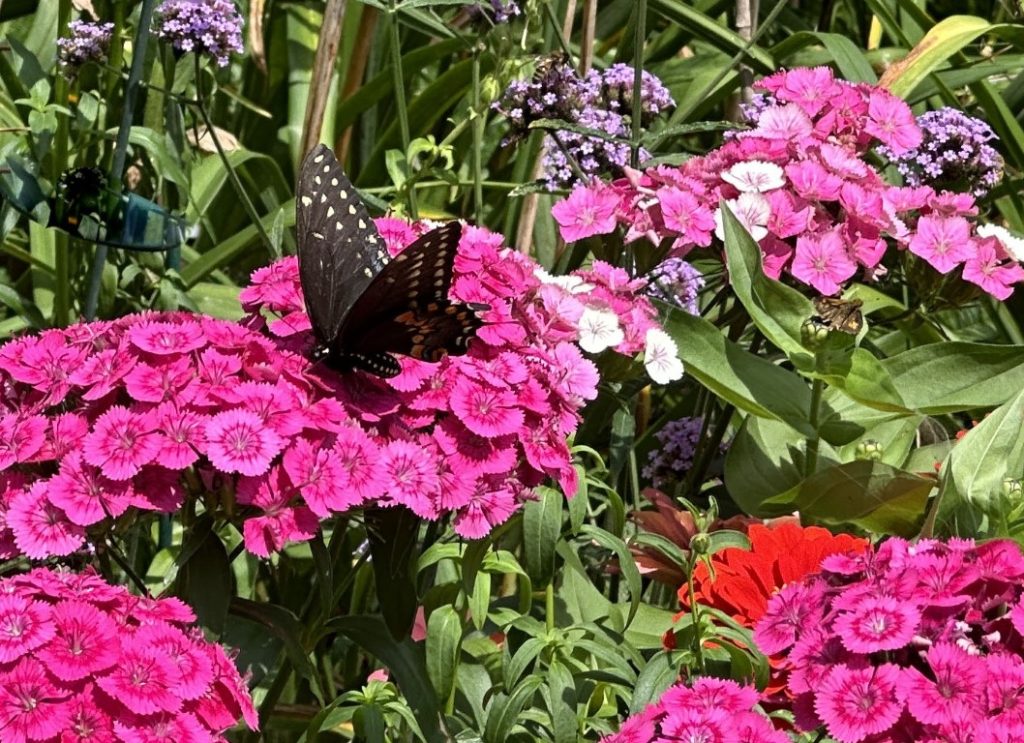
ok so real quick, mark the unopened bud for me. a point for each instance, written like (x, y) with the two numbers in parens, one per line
(700, 543)
(813, 333)
(869, 449)
(1012, 489)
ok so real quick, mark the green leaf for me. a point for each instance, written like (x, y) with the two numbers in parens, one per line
(724, 539)
(405, 660)
(380, 87)
(204, 576)
(711, 30)
(954, 376)
(480, 599)
(993, 450)
(369, 724)
(767, 458)
(505, 711)
(777, 310)
(392, 534)
(444, 638)
(542, 525)
(895, 439)
(562, 703)
(230, 249)
(869, 494)
(749, 382)
(942, 41)
(630, 572)
(582, 601)
(659, 674)
(160, 150)
(853, 65)
(863, 378)
(282, 624)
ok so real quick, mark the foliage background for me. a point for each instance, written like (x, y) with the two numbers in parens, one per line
(530, 634)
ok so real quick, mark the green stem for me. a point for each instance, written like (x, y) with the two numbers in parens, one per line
(62, 243)
(549, 607)
(247, 204)
(811, 462)
(128, 571)
(399, 86)
(557, 28)
(640, 36)
(114, 68)
(698, 649)
(478, 143)
(421, 185)
(121, 146)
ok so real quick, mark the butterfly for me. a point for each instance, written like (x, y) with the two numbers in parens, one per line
(840, 314)
(363, 305)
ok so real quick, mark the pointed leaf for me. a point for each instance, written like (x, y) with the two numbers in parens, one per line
(872, 495)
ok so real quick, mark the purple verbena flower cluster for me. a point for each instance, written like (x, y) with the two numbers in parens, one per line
(676, 281)
(601, 100)
(86, 42)
(954, 154)
(616, 90)
(678, 445)
(495, 11)
(211, 27)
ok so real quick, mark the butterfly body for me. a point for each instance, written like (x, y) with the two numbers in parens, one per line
(363, 305)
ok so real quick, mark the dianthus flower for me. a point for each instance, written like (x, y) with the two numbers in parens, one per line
(85, 42)
(136, 415)
(710, 709)
(211, 27)
(802, 183)
(82, 659)
(905, 642)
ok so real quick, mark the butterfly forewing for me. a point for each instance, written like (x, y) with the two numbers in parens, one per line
(340, 251)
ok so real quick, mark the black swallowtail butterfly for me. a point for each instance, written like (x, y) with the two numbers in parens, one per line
(364, 306)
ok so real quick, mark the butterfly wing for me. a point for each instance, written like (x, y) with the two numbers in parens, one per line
(406, 309)
(840, 314)
(339, 249)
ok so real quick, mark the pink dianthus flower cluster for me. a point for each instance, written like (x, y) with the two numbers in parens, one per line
(906, 642)
(801, 183)
(81, 660)
(475, 433)
(711, 711)
(141, 412)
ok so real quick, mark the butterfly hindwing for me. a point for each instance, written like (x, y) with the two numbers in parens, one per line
(340, 251)
(406, 308)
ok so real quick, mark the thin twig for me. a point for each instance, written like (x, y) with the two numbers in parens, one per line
(121, 147)
(528, 215)
(358, 60)
(243, 196)
(323, 70)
